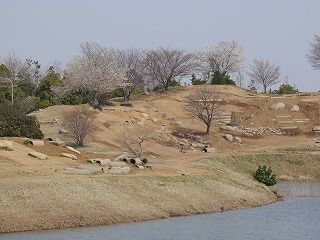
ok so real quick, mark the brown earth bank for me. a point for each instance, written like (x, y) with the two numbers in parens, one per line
(36, 194)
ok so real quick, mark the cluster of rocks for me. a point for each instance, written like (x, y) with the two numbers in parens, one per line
(280, 105)
(252, 131)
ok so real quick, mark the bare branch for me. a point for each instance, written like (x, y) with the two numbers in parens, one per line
(314, 53)
(264, 73)
(203, 104)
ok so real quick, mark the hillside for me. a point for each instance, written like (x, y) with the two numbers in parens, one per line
(43, 191)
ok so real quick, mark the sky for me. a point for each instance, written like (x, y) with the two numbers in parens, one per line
(276, 30)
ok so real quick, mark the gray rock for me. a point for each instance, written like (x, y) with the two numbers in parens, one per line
(228, 137)
(227, 128)
(316, 129)
(122, 156)
(6, 145)
(295, 108)
(238, 140)
(277, 106)
(68, 155)
(38, 155)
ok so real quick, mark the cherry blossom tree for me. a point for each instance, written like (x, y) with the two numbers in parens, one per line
(264, 73)
(314, 53)
(225, 58)
(131, 60)
(162, 65)
(96, 70)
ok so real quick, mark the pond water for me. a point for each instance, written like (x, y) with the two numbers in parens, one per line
(295, 218)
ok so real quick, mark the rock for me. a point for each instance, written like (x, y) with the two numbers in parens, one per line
(164, 115)
(55, 121)
(144, 115)
(37, 143)
(122, 156)
(6, 145)
(140, 167)
(38, 155)
(238, 140)
(63, 131)
(136, 161)
(198, 145)
(316, 129)
(227, 128)
(103, 162)
(73, 150)
(277, 106)
(197, 138)
(120, 170)
(68, 155)
(163, 128)
(228, 137)
(155, 120)
(295, 108)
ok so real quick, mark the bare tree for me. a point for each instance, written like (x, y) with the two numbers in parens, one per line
(225, 58)
(203, 103)
(131, 60)
(14, 64)
(264, 73)
(133, 139)
(97, 70)
(163, 65)
(314, 53)
(240, 79)
(79, 124)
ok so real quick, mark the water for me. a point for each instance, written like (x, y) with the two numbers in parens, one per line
(295, 218)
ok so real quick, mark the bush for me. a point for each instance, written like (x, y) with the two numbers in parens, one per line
(265, 176)
(222, 80)
(15, 123)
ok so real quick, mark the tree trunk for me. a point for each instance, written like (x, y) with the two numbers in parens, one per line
(208, 128)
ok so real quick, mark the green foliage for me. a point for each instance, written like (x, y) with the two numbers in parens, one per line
(14, 123)
(4, 71)
(44, 90)
(197, 81)
(222, 80)
(287, 89)
(265, 176)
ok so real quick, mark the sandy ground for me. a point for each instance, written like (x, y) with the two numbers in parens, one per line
(36, 189)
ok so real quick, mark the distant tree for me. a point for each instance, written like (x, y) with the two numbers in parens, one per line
(197, 81)
(79, 124)
(287, 89)
(223, 59)
(44, 91)
(240, 79)
(14, 64)
(131, 60)
(162, 65)
(264, 73)
(96, 70)
(203, 103)
(314, 53)
(134, 138)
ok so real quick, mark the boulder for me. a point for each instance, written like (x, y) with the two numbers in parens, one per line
(103, 162)
(316, 129)
(295, 108)
(73, 150)
(227, 128)
(277, 106)
(38, 155)
(68, 155)
(198, 145)
(144, 115)
(120, 170)
(163, 128)
(57, 142)
(228, 137)
(6, 145)
(238, 140)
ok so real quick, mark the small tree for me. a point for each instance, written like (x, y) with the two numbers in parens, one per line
(134, 138)
(203, 104)
(314, 53)
(264, 73)
(79, 124)
(265, 176)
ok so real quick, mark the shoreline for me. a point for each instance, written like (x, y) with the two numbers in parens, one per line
(124, 200)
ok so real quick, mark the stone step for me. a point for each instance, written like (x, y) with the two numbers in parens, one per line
(286, 122)
(287, 128)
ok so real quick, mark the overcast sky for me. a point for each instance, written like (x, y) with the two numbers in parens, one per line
(277, 30)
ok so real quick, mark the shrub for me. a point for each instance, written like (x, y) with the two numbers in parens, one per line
(265, 176)
(15, 123)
